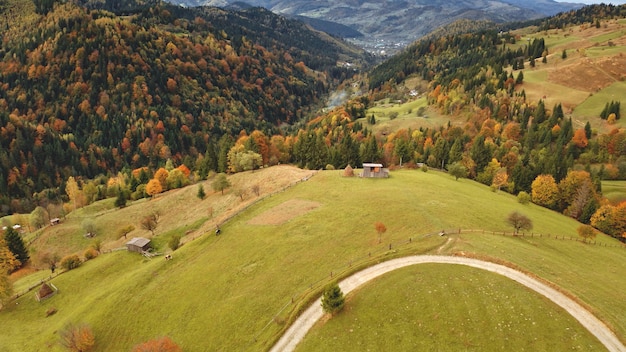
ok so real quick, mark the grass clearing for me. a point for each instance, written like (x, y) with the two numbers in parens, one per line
(235, 290)
(614, 191)
(591, 108)
(428, 306)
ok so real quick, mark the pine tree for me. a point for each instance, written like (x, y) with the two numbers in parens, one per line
(16, 245)
(201, 194)
(333, 299)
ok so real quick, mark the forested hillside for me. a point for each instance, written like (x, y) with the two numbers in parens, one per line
(496, 135)
(86, 92)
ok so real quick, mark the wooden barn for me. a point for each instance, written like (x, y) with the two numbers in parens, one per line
(138, 244)
(374, 170)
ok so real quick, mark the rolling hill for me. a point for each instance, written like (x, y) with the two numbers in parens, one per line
(240, 289)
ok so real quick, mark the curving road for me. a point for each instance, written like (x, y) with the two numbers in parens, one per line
(303, 324)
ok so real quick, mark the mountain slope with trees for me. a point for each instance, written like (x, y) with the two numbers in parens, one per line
(85, 92)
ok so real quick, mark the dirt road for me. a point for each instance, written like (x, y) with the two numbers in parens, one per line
(301, 326)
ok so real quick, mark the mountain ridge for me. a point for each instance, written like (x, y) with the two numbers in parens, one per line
(389, 25)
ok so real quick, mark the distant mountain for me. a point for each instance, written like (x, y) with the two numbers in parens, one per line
(387, 25)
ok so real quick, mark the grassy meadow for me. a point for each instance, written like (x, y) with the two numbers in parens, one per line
(434, 307)
(585, 80)
(614, 191)
(239, 290)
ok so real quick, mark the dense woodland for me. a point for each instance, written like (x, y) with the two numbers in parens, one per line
(86, 92)
(116, 104)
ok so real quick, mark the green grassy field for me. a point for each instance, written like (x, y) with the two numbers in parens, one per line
(236, 290)
(593, 105)
(614, 191)
(433, 307)
(407, 116)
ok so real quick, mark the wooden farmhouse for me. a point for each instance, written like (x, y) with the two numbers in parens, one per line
(374, 170)
(138, 244)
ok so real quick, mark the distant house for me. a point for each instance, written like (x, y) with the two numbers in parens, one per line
(55, 221)
(138, 244)
(374, 170)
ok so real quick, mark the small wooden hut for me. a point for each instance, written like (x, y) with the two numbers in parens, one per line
(138, 244)
(374, 170)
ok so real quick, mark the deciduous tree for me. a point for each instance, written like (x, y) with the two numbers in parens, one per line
(38, 217)
(457, 170)
(153, 187)
(519, 222)
(125, 231)
(77, 338)
(545, 191)
(610, 219)
(220, 183)
(150, 222)
(72, 190)
(161, 175)
(380, 229)
(586, 232)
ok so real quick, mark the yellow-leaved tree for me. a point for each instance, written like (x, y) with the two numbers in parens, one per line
(545, 191)
(8, 263)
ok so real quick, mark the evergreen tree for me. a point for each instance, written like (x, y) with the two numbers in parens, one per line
(333, 299)
(121, 199)
(456, 151)
(225, 143)
(588, 130)
(480, 153)
(201, 194)
(371, 152)
(16, 245)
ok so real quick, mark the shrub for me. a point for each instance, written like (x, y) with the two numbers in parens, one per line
(174, 242)
(70, 262)
(523, 197)
(90, 253)
(163, 344)
(77, 338)
(424, 168)
(330, 167)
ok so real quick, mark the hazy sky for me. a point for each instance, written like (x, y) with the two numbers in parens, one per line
(614, 2)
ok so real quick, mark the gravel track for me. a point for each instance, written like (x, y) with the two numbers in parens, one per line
(303, 324)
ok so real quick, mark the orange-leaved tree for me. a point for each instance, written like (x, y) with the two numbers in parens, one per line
(163, 344)
(78, 338)
(380, 228)
(153, 187)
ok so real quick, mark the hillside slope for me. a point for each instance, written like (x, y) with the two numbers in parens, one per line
(235, 290)
(93, 93)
